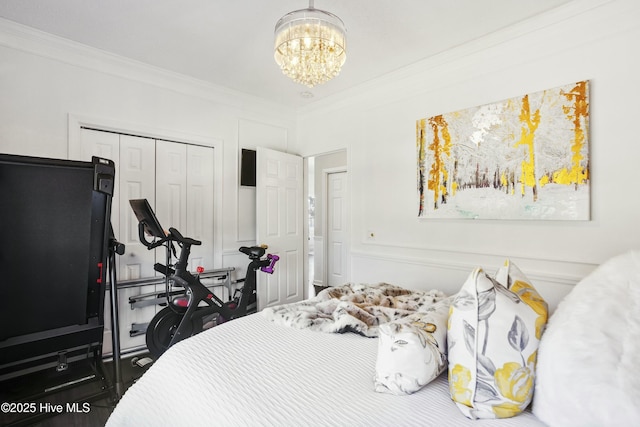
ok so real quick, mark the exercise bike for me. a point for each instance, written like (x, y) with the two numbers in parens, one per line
(197, 308)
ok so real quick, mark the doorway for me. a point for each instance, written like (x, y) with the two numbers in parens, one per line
(328, 221)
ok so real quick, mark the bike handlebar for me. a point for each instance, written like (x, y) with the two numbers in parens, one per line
(143, 238)
(175, 235)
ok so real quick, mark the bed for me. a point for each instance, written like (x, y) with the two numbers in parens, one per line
(257, 372)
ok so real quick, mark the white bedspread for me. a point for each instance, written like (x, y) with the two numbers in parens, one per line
(251, 372)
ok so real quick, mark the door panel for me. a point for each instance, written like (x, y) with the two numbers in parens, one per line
(184, 196)
(137, 175)
(134, 158)
(200, 204)
(171, 185)
(279, 206)
(337, 229)
(294, 272)
(107, 146)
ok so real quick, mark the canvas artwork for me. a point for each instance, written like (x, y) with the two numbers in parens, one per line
(523, 158)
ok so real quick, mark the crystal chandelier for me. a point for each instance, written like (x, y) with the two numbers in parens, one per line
(310, 45)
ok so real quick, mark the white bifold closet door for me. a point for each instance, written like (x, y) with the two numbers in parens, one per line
(136, 178)
(177, 180)
(184, 195)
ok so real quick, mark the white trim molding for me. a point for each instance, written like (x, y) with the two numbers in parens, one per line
(553, 279)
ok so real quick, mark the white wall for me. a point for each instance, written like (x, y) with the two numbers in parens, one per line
(44, 79)
(597, 40)
(48, 84)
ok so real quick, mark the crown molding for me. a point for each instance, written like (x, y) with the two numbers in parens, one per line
(402, 82)
(27, 39)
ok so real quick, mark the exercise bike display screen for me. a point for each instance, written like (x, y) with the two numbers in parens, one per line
(147, 217)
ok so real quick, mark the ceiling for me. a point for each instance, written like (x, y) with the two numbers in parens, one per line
(230, 42)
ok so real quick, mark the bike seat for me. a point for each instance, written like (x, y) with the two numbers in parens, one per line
(175, 235)
(253, 252)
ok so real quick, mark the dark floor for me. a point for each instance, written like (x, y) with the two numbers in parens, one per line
(87, 403)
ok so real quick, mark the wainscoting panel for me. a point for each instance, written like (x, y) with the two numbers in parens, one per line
(553, 279)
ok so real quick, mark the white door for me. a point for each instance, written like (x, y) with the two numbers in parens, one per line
(200, 205)
(137, 175)
(134, 159)
(171, 185)
(279, 223)
(184, 196)
(107, 146)
(135, 162)
(337, 229)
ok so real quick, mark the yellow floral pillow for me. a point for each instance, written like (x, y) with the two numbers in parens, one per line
(493, 335)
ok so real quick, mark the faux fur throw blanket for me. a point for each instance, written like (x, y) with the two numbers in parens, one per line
(358, 308)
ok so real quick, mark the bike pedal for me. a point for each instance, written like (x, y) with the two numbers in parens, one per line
(141, 363)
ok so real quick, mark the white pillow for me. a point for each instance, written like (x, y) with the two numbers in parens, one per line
(590, 352)
(494, 331)
(412, 351)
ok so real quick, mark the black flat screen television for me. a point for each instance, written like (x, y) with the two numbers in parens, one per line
(248, 168)
(54, 223)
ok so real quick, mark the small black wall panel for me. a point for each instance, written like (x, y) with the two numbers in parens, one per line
(248, 168)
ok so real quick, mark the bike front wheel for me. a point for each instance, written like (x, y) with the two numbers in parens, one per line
(162, 329)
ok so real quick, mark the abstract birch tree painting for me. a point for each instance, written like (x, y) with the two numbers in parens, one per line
(523, 158)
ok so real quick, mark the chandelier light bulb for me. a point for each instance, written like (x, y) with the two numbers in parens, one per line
(310, 45)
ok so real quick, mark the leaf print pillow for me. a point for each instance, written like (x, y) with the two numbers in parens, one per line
(493, 334)
(412, 351)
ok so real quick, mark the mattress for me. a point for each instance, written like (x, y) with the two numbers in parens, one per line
(252, 372)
